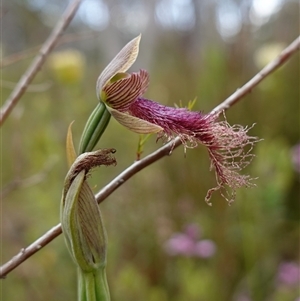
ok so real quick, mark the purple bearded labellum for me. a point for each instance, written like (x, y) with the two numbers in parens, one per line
(228, 146)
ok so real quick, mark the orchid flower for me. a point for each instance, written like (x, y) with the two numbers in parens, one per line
(228, 146)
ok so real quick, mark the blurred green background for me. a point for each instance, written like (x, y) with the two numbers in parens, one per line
(191, 48)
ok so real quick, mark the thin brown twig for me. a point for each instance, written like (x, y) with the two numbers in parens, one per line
(38, 61)
(254, 81)
(19, 183)
(35, 88)
(153, 157)
(68, 38)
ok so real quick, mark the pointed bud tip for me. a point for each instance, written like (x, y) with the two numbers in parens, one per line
(70, 150)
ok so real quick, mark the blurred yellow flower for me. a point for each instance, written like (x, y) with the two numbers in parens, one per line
(67, 66)
(267, 53)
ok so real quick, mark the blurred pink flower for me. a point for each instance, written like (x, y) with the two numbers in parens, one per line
(188, 244)
(205, 248)
(180, 244)
(193, 231)
(289, 273)
(243, 297)
(296, 157)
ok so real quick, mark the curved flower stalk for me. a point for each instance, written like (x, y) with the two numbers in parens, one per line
(228, 146)
(82, 224)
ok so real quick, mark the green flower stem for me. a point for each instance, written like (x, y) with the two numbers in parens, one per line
(93, 285)
(81, 286)
(94, 128)
(102, 289)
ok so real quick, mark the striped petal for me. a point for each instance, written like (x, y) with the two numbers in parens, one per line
(135, 124)
(121, 93)
(121, 63)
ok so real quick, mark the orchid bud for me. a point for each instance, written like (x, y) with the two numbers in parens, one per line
(80, 214)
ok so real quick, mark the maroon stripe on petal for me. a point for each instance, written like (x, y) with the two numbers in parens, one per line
(120, 94)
